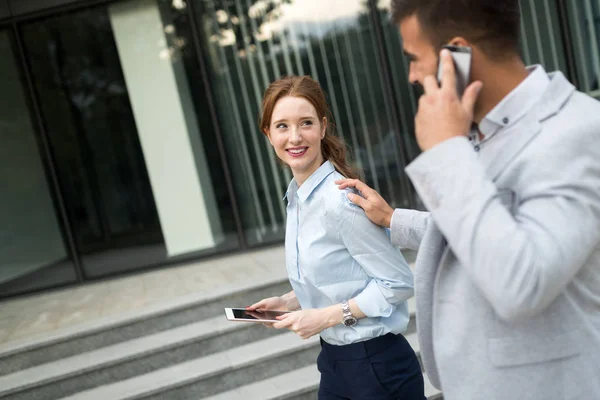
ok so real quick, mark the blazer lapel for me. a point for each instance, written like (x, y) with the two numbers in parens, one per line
(556, 95)
(528, 130)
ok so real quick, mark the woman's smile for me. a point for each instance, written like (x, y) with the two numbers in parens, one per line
(297, 151)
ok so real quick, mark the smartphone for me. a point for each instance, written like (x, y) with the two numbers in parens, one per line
(462, 64)
(243, 315)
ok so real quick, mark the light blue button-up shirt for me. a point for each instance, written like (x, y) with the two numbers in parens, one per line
(334, 253)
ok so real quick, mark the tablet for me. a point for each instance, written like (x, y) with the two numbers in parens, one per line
(243, 315)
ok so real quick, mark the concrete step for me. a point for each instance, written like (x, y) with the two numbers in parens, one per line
(110, 331)
(298, 382)
(184, 349)
(216, 373)
(130, 358)
(225, 373)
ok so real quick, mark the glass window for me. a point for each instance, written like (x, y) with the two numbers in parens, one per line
(251, 43)
(122, 101)
(584, 18)
(33, 254)
(4, 9)
(541, 41)
(403, 89)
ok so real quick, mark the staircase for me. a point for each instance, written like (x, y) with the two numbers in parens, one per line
(182, 350)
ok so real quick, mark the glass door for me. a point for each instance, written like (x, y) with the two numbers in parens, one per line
(33, 254)
(114, 87)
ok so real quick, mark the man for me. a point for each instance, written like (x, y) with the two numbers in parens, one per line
(507, 275)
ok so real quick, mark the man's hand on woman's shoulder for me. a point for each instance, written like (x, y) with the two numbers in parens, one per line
(376, 208)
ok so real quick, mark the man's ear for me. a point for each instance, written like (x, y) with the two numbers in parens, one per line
(459, 41)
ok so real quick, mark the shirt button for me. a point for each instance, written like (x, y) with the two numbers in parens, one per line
(505, 120)
(477, 148)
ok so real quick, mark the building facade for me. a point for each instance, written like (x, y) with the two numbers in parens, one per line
(128, 129)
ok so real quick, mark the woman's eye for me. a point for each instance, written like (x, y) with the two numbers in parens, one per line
(281, 126)
(307, 123)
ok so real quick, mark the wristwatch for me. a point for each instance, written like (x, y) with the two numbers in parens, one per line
(348, 319)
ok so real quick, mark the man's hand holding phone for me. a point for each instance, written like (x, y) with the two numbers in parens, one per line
(442, 114)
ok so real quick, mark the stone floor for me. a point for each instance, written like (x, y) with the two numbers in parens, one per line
(36, 315)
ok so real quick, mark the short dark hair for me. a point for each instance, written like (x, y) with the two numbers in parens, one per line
(493, 25)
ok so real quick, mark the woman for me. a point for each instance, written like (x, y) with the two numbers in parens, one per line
(350, 284)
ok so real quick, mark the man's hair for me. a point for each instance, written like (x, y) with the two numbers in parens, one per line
(492, 25)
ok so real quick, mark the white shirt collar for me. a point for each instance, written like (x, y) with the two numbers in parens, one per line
(517, 103)
(311, 183)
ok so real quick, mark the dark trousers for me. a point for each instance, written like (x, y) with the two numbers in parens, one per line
(384, 368)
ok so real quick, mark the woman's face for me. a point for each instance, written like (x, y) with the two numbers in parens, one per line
(296, 133)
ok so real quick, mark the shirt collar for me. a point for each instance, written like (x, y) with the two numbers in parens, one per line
(310, 184)
(518, 102)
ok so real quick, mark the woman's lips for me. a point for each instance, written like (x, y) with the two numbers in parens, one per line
(297, 151)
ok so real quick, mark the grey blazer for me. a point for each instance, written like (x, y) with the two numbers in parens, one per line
(508, 260)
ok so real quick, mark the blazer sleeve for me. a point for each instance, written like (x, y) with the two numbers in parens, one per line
(521, 259)
(408, 227)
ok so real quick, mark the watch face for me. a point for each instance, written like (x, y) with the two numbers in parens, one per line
(350, 321)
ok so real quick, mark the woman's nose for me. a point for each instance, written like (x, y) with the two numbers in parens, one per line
(295, 138)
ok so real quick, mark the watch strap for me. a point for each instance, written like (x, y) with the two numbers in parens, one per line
(346, 311)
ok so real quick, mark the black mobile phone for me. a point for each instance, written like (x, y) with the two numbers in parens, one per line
(462, 64)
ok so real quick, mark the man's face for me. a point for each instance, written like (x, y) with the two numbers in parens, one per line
(421, 54)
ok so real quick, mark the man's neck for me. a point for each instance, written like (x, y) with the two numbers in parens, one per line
(499, 79)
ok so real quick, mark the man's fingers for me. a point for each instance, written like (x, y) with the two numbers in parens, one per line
(470, 96)
(345, 181)
(448, 71)
(430, 85)
(362, 187)
(354, 183)
(358, 200)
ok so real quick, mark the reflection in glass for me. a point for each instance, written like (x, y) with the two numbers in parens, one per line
(406, 94)
(114, 86)
(251, 43)
(540, 35)
(32, 251)
(585, 22)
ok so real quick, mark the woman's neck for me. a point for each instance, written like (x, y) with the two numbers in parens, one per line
(302, 176)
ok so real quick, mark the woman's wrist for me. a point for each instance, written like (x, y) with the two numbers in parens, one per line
(332, 315)
(290, 301)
